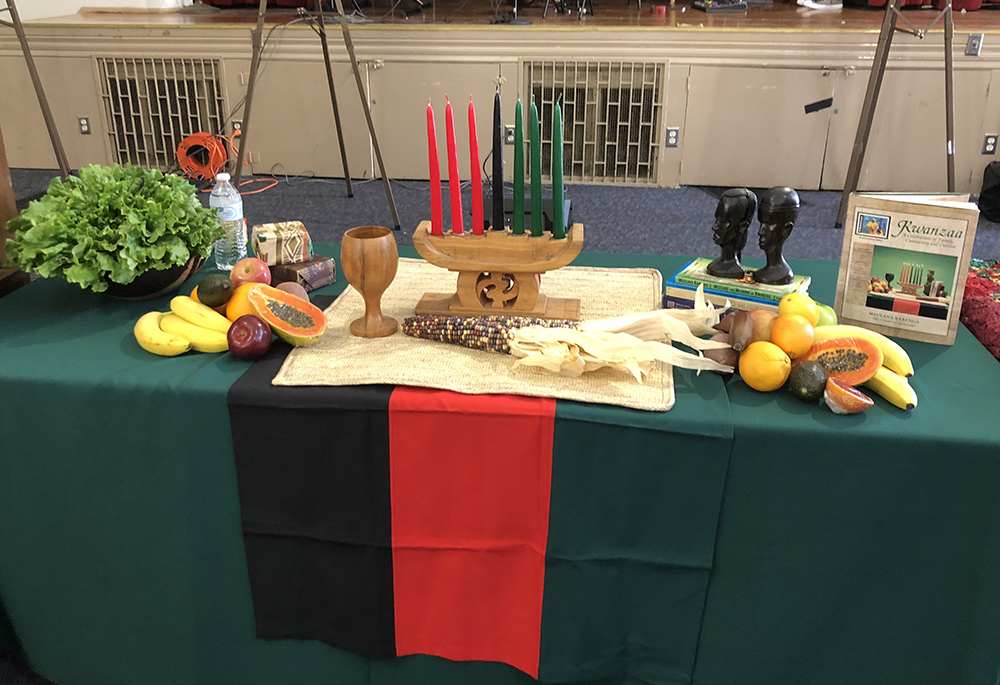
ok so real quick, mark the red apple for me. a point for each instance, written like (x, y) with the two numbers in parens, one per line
(249, 337)
(250, 270)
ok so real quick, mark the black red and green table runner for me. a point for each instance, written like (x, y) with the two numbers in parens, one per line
(393, 521)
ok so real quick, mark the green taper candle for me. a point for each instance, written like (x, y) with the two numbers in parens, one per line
(536, 172)
(558, 219)
(518, 219)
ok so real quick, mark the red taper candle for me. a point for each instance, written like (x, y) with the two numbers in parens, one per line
(454, 180)
(477, 173)
(437, 218)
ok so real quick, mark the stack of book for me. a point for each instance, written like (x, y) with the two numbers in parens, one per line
(742, 293)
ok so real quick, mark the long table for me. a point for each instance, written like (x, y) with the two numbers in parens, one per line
(739, 538)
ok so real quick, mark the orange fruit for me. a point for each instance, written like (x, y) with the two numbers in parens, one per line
(793, 334)
(764, 366)
(801, 304)
(239, 303)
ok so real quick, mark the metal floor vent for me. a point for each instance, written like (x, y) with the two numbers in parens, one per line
(611, 117)
(152, 104)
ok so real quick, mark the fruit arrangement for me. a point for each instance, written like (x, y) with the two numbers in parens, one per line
(877, 285)
(239, 313)
(802, 346)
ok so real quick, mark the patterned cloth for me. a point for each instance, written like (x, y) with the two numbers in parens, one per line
(988, 269)
(981, 303)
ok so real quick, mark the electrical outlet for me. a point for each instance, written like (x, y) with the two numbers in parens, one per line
(990, 143)
(673, 136)
(974, 45)
(508, 135)
(237, 125)
(84, 125)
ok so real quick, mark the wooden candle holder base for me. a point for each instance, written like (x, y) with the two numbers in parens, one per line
(499, 273)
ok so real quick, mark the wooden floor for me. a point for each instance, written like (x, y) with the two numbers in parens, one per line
(607, 14)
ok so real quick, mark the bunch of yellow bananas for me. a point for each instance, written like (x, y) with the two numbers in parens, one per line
(189, 325)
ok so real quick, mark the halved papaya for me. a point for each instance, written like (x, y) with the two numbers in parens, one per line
(851, 360)
(293, 319)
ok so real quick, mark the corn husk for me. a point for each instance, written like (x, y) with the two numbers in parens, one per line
(572, 352)
(634, 343)
(668, 325)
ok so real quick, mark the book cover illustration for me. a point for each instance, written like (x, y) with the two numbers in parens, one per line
(695, 274)
(903, 263)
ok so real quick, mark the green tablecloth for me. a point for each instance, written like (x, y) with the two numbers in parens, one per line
(833, 549)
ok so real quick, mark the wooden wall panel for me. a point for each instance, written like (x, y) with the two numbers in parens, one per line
(750, 127)
(906, 149)
(399, 93)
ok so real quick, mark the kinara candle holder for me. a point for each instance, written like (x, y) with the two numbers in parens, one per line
(498, 272)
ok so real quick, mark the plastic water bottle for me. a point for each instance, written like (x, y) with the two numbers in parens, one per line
(228, 204)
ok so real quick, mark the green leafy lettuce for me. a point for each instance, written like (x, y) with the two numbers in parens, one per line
(111, 224)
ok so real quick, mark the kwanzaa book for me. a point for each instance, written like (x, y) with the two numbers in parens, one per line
(695, 274)
(903, 263)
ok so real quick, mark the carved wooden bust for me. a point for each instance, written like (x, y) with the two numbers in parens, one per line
(733, 215)
(779, 209)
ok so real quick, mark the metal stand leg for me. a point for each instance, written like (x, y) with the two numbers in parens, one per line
(368, 112)
(875, 84)
(248, 105)
(949, 93)
(333, 96)
(255, 65)
(868, 109)
(50, 123)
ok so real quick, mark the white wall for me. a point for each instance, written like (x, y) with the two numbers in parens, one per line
(40, 9)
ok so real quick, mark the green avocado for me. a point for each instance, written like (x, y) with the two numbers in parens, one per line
(807, 381)
(215, 290)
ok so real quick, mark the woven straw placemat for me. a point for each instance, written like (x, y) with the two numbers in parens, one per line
(340, 358)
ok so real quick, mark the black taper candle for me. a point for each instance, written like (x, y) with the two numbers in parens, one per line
(497, 165)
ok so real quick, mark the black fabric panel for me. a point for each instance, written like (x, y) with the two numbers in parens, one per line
(294, 598)
(819, 105)
(313, 472)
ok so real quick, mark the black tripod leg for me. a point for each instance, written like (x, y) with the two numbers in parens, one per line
(333, 96)
(43, 102)
(368, 112)
(949, 93)
(254, 66)
(868, 109)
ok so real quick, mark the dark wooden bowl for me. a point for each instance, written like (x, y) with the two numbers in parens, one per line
(155, 283)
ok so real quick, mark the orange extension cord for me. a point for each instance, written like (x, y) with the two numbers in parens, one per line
(203, 155)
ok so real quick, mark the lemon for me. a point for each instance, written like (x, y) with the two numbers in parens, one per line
(801, 304)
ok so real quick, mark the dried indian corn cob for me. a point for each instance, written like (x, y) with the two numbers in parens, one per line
(492, 333)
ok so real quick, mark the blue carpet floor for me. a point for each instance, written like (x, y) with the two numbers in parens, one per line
(617, 219)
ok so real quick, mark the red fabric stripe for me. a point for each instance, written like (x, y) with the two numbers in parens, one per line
(898, 305)
(470, 479)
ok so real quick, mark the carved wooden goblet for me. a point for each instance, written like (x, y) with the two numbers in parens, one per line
(368, 258)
